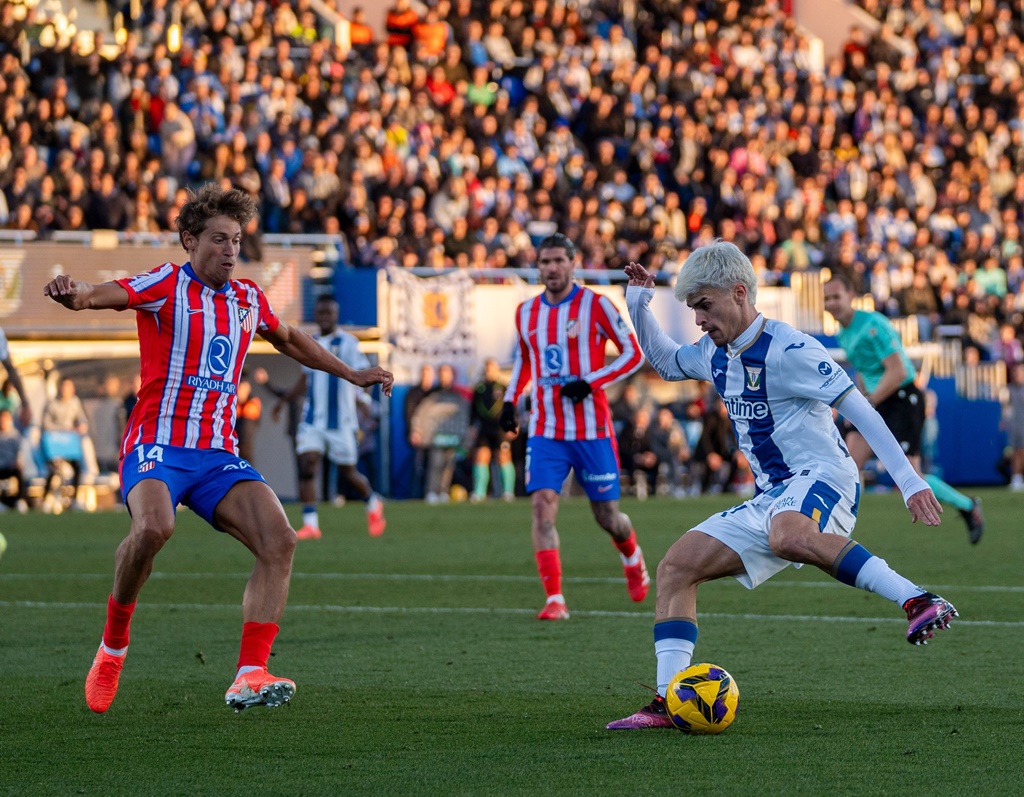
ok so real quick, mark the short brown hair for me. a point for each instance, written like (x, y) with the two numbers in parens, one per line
(211, 200)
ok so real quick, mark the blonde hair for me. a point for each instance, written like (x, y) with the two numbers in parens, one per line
(719, 264)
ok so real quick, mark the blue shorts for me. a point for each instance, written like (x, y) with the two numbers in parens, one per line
(197, 478)
(595, 461)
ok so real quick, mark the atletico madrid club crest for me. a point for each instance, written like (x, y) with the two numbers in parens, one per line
(245, 318)
(572, 329)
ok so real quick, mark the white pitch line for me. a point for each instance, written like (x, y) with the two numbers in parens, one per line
(805, 618)
(166, 576)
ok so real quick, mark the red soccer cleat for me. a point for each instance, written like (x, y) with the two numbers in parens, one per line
(101, 683)
(554, 610)
(637, 579)
(309, 533)
(375, 522)
(259, 688)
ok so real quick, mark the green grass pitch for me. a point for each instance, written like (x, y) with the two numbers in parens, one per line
(422, 671)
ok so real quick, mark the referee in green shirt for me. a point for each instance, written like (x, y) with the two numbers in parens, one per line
(874, 349)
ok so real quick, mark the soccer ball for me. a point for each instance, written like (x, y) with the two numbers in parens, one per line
(702, 699)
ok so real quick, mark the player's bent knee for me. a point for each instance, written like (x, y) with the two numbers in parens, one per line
(152, 531)
(674, 572)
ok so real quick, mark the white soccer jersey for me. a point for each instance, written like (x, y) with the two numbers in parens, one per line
(777, 383)
(331, 400)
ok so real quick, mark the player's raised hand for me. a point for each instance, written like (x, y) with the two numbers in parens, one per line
(638, 275)
(924, 506)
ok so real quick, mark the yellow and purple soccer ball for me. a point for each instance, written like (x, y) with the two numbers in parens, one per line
(702, 699)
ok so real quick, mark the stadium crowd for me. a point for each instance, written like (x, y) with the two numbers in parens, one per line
(470, 129)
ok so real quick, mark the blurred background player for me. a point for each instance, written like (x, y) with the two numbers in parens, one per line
(329, 425)
(13, 382)
(489, 437)
(562, 336)
(1014, 423)
(875, 351)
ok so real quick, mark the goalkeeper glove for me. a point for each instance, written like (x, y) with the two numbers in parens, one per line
(577, 390)
(507, 420)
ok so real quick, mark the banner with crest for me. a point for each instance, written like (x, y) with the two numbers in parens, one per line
(430, 319)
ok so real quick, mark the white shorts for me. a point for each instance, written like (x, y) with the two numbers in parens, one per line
(744, 528)
(340, 445)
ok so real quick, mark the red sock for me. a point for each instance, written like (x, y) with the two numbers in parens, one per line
(256, 641)
(549, 565)
(628, 546)
(119, 618)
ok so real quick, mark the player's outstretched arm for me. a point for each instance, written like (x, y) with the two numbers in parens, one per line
(86, 296)
(304, 350)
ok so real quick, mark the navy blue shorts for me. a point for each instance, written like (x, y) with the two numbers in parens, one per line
(595, 461)
(197, 478)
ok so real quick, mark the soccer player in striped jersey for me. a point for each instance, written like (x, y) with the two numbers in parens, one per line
(196, 323)
(778, 385)
(329, 423)
(562, 336)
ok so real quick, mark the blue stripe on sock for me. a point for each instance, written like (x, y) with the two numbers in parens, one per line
(675, 629)
(851, 564)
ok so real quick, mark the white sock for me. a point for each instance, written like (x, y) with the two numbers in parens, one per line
(372, 502)
(247, 668)
(556, 597)
(876, 576)
(311, 518)
(628, 561)
(673, 655)
(115, 651)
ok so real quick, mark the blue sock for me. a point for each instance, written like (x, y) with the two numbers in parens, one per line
(674, 641)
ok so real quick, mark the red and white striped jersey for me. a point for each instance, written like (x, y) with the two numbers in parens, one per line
(564, 342)
(193, 341)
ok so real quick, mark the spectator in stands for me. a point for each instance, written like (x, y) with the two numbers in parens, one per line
(250, 409)
(419, 443)
(717, 459)
(11, 463)
(64, 424)
(636, 452)
(668, 442)
(916, 126)
(441, 421)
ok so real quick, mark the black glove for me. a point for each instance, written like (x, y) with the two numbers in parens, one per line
(507, 420)
(577, 390)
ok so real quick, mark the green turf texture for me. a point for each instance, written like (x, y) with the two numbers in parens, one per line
(422, 671)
